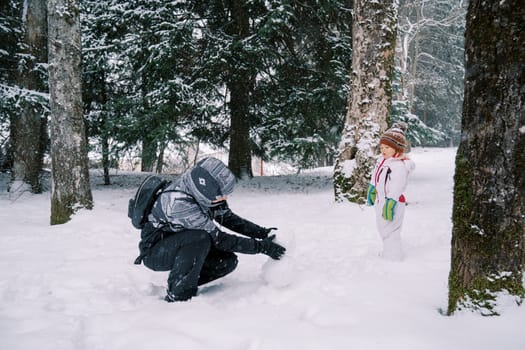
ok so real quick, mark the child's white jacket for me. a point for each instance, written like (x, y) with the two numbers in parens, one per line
(390, 177)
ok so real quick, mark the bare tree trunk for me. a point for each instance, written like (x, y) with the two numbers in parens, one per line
(197, 150)
(373, 42)
(488, 236)
(106, 130)
(240, 159)
(105, 158)
(241, 84)
(160, 157)
(149, 153)
(70, 188)
(28, 126)
(414, 60)
(149, 143)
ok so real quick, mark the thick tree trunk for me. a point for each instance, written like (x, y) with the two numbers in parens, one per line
(70, 188)
(489, 191)
(373, 46)
(149, 153)
(240, 85)
(28, 126)
(240, 159)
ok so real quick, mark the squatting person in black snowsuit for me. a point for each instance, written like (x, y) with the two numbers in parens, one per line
(181, 235)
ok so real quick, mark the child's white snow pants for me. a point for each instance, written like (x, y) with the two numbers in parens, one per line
(390, 231)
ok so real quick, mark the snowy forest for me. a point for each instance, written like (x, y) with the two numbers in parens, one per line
(113, 87)
(160, 75)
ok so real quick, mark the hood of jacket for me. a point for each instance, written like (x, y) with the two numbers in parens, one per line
(207, 181)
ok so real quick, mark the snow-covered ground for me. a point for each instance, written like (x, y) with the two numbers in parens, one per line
(74, 286)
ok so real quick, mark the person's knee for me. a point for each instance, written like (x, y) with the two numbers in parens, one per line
(202, 242)
(231, 263)
(204, 238)
(197, 237)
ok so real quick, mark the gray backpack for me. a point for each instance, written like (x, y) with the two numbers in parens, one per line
(140, 205)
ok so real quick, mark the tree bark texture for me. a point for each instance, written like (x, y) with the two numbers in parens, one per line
(70, 189)
(240, 83)
(240, 159)
(370, 100)
(105, 159)
(29, 124)
(489, 186)
(106, 133)
(149, 140)
(149, 152)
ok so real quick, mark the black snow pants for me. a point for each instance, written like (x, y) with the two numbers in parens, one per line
(192, 260)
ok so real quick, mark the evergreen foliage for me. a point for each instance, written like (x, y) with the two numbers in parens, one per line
(10, 32)
(164, 68)
(14, 60)
(301, 101)
(160, 71)
(138, 74)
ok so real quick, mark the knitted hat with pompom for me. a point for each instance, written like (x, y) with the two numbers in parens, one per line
(395, 137)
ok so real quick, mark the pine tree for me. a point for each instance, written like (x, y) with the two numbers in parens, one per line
(232, 49)
(159, 95)
(300, 107)
(29, 120)
(23, 91)
(178, 68)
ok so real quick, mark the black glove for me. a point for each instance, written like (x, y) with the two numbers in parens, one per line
(262, 232)
(270, 248)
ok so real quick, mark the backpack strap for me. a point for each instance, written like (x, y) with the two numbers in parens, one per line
(158, 234)
(139, 259)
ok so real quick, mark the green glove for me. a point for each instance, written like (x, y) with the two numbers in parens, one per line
(371, 194)
(388, 209)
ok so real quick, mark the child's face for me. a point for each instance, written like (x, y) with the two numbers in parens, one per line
(387, 151)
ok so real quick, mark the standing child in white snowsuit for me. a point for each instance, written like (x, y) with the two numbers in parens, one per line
(385, 190)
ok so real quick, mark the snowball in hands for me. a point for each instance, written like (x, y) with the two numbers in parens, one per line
(281, 273)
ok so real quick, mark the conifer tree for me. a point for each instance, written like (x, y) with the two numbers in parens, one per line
(23, 91)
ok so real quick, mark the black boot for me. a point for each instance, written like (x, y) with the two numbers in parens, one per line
(184, 296)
